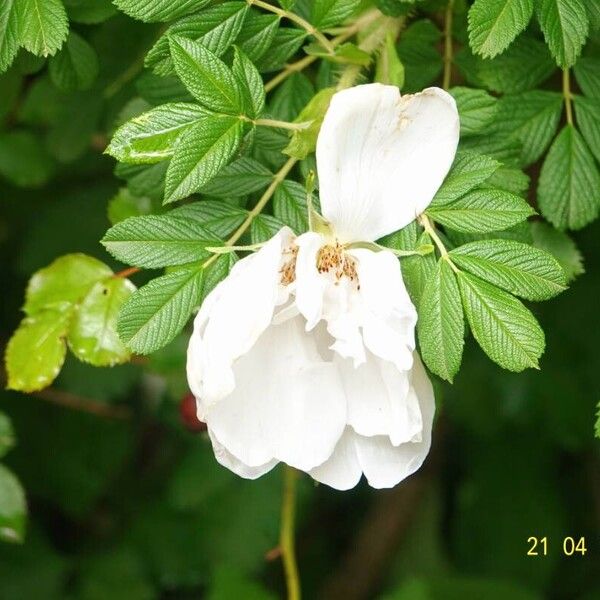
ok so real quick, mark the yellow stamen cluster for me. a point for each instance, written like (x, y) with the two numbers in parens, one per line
(288, 270)
(333, 258)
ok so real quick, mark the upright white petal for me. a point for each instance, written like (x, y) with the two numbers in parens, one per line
(232, 318)
(381, 157)
(310, 284)
(288, 403)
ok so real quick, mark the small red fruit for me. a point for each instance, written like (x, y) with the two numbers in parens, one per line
(187, 411)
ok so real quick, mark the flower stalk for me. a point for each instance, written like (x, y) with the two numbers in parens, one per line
(448, 48)
(287, 535)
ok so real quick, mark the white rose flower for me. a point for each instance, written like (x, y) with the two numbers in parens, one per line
(305, 353)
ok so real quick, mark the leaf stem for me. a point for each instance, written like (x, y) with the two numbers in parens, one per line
(286, 537)
(127, 272)
(308, 27)
(566, 81)
(448, 47)
(282, 124)
(430, 229)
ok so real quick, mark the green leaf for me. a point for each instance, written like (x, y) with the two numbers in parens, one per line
(561, 246)
(587, 73)
(530, 118)
(304, 141)
(13, 508)
(289, 98)
(217, 216)
(419, 55)
(482, 210)
(216, 28)
(157, 312)
(200, 154)
(158, 10)
(89, 12)
(155, 241)
(125, 204)
(389, 69)
(63, 283)
(206, 76)
(257, 34)
(289, 206)
(263, 228)
(494, 24)
(569, 185)
(286, 43)
(328, 13)
(503, 327)
(239, 178)
(467, 172)
(9, 33)
(93, 334)
(477, 109)
(441, 326)
(250, 83)
(344, 54)
(43, 25)
(565, 26)
(151, 137)
(36, 351)
(587, 111)
(7, 435)
(75, 67)
(23, 159)
(518, 268)
(509, 179)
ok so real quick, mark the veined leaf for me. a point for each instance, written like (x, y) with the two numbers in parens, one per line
(151, 137)
(159, 10)
(200, 154)
(515, 267)
(206, 76)
(509, 179)
(36, 351)
(13, 508)
(93, 334)
(289, 206)
(43, 25)
(569, 185)
(587, 73)
(477, 109)
(291, 97)
(250, 83)
(219, 217)
(216, 28)
(90, 12)
(441, 326)
(481, 211)
(155, 241)
(9, 33)
(587, 111)
(286, 42)
(561, 246)
(263, 228)
(75, 67)
(328, 13)
(531, 118)
(503, 327)
(467, 172)
(239, 178)
(257, 34)
(157, 312)
(565, 26)
(494, 24)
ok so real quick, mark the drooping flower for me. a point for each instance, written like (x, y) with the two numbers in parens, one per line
(305, 353)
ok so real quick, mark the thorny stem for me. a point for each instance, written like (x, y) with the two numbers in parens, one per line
(282, 124)
(448, 49)
(430, 229)
(303, 63)
(567, 96)
(286, 538)
(310, 29)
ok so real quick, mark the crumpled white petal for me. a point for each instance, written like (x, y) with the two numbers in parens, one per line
(288, 403)
(232, 318)
(383, 463)
(381, 157)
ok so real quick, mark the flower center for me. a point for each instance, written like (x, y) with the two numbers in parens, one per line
(333, 258)
(288, 270)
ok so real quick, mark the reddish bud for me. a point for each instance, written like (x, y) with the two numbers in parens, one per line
(187, 411)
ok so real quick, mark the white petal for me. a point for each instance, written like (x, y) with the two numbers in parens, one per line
(310, 284)
(342, 470)
(385, 465)
(225, 458)
(288, 403)
(232, 318)
(381, 158)
(379, 402)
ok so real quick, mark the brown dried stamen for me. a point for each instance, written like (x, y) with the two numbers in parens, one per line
(333, 258)
(288, 270)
